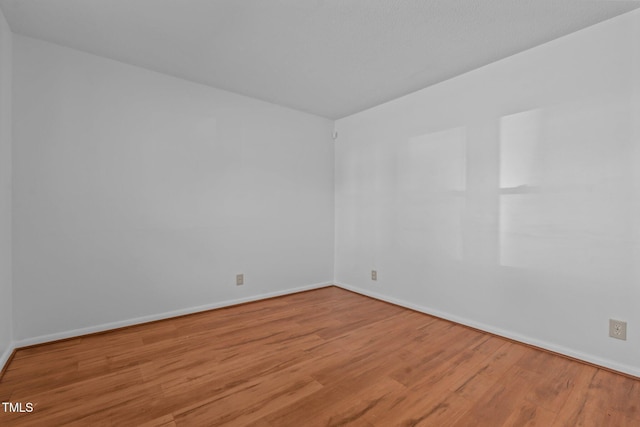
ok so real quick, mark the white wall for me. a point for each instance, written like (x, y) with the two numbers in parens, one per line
(507, 198)
(138, 195)
(5, 191)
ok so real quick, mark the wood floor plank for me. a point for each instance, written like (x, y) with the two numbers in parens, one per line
(326, 357)
(164, 421)
(419, 405)
(479, 380)
(343, 403)
(500, 401)
(526, 414)
(248, 402)
(613, 393)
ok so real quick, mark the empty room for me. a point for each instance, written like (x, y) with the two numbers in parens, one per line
(320, 213)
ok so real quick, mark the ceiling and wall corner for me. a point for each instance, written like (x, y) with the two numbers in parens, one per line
(327, 57)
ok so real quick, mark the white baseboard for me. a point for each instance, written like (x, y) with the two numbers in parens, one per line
(615, 366)
(4, 357)
(160, 316)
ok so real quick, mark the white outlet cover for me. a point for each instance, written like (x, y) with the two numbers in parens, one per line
(618, 329)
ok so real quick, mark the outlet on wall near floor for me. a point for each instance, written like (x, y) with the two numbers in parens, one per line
(618, 329)
(374, 275)
(239, 279)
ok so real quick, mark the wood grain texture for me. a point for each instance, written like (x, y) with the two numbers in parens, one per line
(326, 357)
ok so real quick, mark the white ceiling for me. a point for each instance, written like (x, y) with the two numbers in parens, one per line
(327, 57)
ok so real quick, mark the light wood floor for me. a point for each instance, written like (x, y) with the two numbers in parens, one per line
(324, 357)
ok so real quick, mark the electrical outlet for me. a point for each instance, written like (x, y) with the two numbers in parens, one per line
(618, 329)
(239, 279)
(374, 275)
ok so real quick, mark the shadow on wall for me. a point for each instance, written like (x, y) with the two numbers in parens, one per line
(561, 202)
(565, 190)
